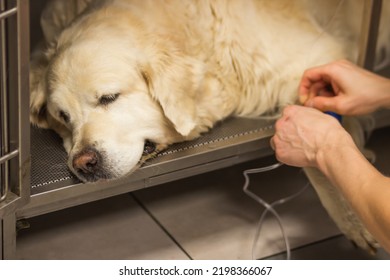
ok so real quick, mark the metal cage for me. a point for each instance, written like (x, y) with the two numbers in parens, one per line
(232, 142)
(14, 118)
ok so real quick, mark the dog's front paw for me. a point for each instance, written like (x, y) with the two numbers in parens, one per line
(363, 239)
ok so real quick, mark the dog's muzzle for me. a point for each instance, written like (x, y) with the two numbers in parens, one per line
(88, 164)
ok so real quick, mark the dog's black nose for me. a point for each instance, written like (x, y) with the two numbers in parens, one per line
(86, 162)
(89, 165)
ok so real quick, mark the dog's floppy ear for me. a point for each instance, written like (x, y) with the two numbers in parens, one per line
(174, 82)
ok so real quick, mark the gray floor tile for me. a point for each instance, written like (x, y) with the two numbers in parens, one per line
(211, 217)
(115, 228)
(335, 248)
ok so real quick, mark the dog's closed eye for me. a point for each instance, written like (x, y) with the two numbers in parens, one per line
(108, 98)
(64, 116)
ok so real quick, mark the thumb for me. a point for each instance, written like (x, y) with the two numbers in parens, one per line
(322, 103)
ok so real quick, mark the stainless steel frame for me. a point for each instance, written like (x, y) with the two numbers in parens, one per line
(14, 117)
(369, 34)
(208, 153)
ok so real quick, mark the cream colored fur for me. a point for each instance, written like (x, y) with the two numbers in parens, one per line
(176, 67)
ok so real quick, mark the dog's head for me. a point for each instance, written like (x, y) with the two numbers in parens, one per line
(113, 103)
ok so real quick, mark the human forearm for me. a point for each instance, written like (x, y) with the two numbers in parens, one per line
(366, 190)
(344, 165)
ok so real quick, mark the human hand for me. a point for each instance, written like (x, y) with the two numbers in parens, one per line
(344, 88)
(302, 134)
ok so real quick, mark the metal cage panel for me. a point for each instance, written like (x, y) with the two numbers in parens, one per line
(14, 117)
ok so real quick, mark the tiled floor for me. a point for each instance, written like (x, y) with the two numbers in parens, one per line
(203, 217)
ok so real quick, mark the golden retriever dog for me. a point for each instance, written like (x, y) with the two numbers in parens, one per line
(120, 80)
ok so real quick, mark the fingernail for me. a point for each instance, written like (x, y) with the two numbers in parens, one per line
(303, 99)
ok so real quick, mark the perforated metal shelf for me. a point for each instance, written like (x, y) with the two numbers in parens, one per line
(54, 187)
(48, 161)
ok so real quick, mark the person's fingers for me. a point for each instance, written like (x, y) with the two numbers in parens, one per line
(305, 90)
(323, 103)
(312, 84)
